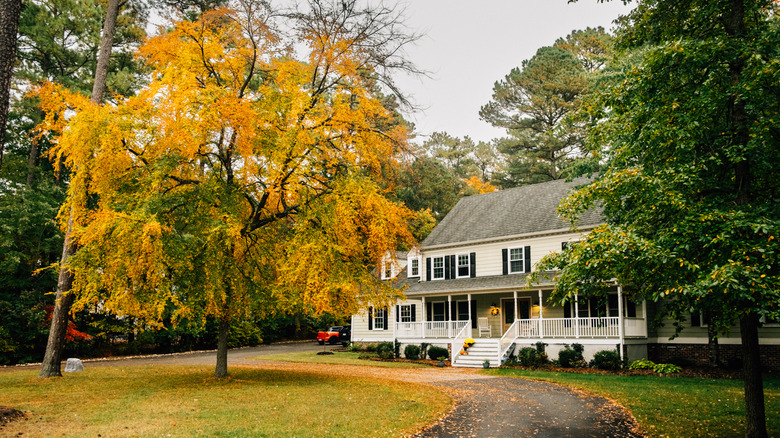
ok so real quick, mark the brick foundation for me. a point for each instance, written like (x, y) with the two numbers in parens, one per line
(696, 354)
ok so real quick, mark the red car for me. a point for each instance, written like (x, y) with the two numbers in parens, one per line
(331, 335)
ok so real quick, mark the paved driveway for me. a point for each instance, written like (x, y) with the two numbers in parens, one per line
(485, 406)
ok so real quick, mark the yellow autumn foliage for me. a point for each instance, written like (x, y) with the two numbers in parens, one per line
(239, 180)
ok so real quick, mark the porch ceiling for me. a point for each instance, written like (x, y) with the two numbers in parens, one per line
(471, 285)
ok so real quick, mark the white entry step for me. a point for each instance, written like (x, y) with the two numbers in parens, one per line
(478, 353)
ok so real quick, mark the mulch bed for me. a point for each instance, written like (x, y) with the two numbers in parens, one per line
(9, 414)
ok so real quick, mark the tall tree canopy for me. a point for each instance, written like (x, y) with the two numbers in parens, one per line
(533, 103)
(690, 190)
(241, 179)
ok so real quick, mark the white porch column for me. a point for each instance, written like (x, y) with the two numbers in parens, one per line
(621, 330)
(449, 312)
(470, 323)
(576, 316)
(424, 314)
(541, 316)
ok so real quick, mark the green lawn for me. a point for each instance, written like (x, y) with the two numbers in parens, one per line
(339, 357)
(186, 401)
(672, 406)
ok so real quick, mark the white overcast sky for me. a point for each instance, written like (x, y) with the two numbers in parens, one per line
(470, 44)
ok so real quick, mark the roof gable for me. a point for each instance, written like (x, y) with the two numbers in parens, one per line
(521, 210)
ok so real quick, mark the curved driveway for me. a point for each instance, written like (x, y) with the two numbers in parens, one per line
(485, 406)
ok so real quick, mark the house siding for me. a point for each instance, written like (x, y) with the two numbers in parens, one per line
(488, 255)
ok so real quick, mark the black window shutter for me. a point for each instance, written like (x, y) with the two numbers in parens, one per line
(505, 259)
(453, 268)
(429, 311)
(447, 267)
(414, 312)
(454, 310)
(446, 312)
(428, 269)
(695, 320)
(473, 314)
(397, 313)
(527, 259)
(387, 323)
(567, 310)
(370, 318)
(473, 264)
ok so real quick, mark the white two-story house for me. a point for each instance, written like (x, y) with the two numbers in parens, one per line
(468, 279)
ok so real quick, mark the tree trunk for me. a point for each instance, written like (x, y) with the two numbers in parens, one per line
(713, 349)
(222, 348)
(9, 28)
(755, 414)
(104, 55)
(31, 163)
(50, 367)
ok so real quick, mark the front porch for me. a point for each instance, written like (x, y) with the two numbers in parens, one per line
(500, 321)
(536, 328)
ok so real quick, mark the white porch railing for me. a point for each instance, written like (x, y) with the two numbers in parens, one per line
(508, 339)
(457, 343)
(604, 327)
(430, 329)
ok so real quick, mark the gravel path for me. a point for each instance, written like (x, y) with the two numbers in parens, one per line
(485, 406)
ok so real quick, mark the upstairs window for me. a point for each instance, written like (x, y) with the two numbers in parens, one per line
(464, 266)
(516, 260)
(438, 268)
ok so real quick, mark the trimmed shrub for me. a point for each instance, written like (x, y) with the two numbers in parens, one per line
(666, 368)
(385, 350)
(397, 348)
(435, 352)
(531, 357)
(370, 348)
(412, 352)
(606, 360)
(569, 357)
(641, 364)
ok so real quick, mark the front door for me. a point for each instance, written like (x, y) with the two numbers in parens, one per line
(508, 311)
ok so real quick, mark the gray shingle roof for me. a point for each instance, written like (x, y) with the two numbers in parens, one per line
(510, 212)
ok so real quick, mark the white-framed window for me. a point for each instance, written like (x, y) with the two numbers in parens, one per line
(405, 312)
(438, 311)
(387, 270)
(463, 311)
(414, 267)
(463, 268)
(438, 268)
(516, 260)
(379, 320)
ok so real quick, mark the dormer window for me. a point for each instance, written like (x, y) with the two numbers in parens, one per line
(414, 267)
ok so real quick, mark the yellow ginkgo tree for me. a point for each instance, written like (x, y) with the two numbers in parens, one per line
(246, 178)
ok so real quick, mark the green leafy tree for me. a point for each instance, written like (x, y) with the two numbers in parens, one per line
(690, 189)
(532, 103)
(426, 184)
